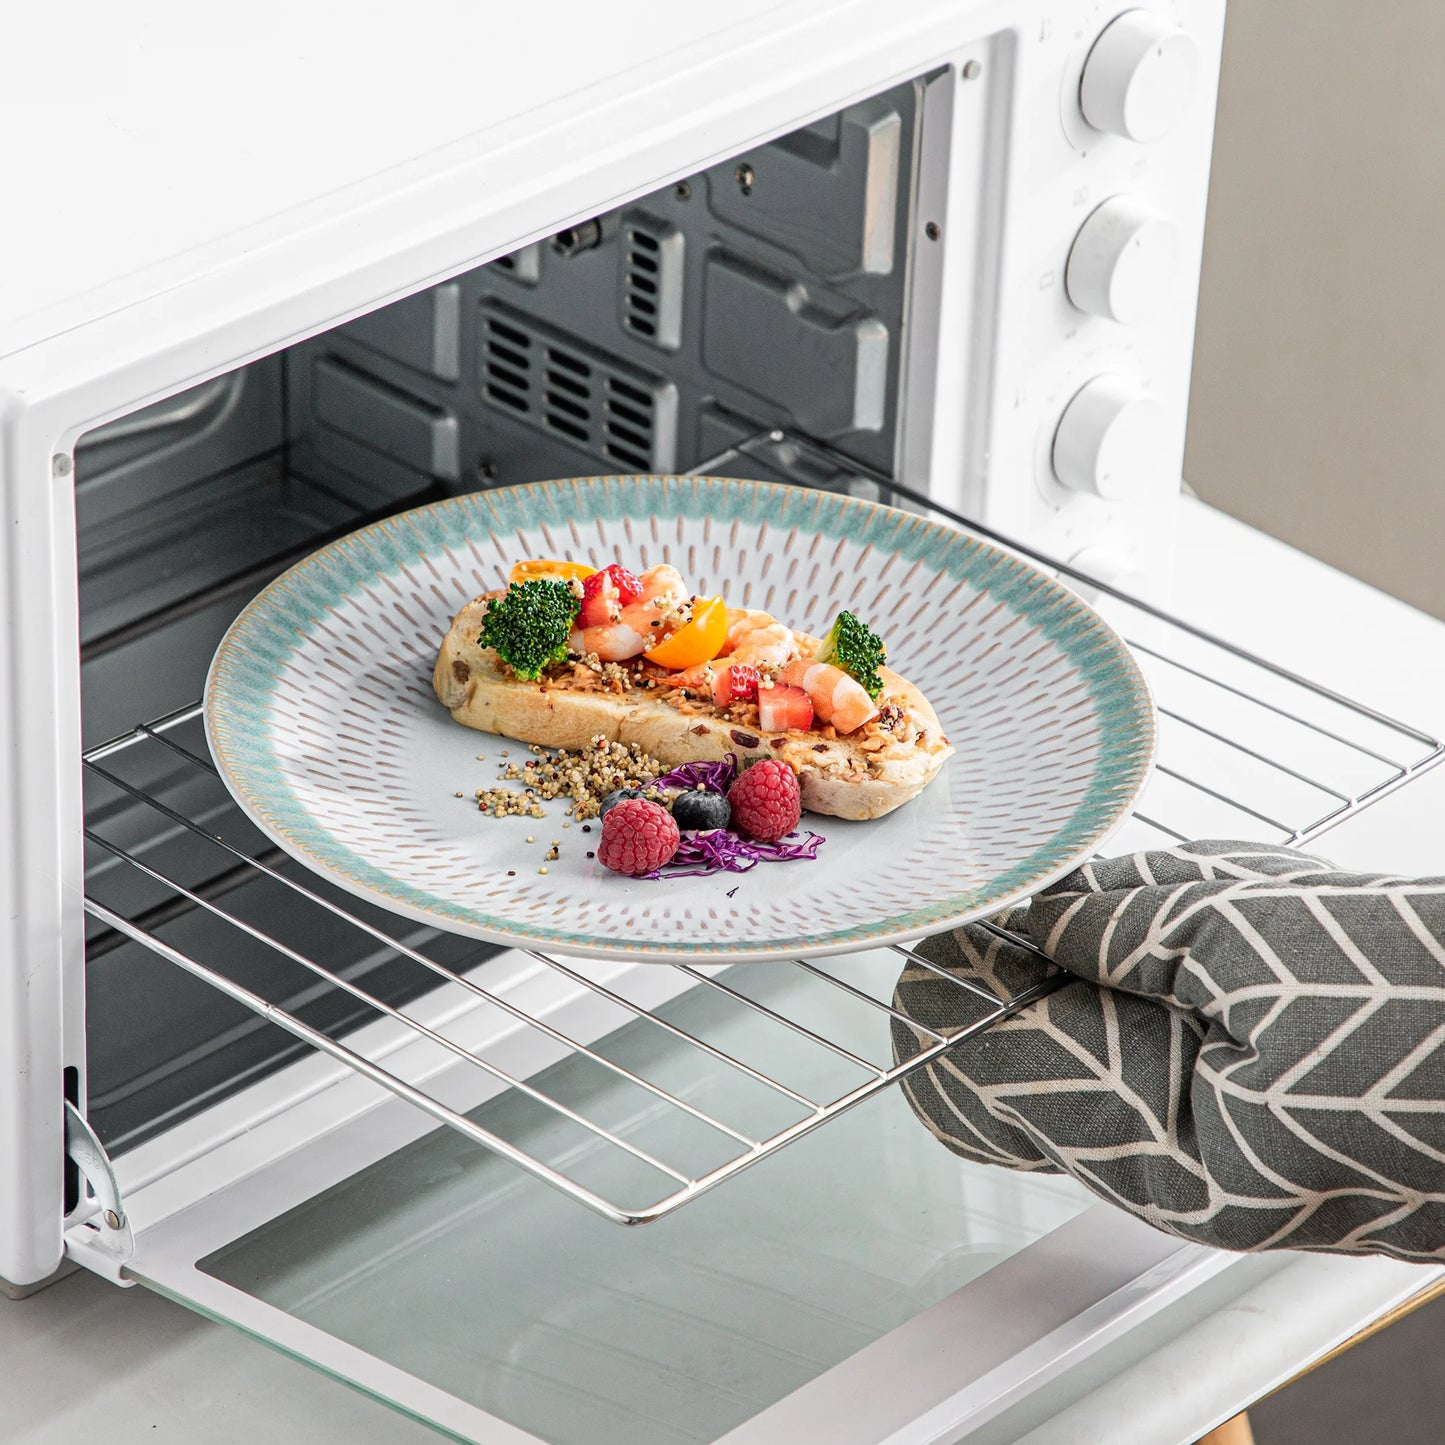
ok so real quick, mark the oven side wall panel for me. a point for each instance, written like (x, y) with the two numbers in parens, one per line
(40, 856)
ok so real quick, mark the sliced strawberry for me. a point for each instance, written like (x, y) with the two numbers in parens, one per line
(605, 594)
(735, 683)
(746, 680)
(599, 602)
(629, 588)
(781, 707)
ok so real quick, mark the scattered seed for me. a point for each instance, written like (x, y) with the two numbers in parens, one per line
(511, 872)
(541, 870)
(591, 855)
(530, 838)
(583, 777)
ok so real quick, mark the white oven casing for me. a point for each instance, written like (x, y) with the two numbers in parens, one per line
(167, 227)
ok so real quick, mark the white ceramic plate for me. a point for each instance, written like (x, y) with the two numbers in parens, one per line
(321, 717)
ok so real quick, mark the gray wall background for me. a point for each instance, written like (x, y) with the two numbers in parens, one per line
(1318, 404)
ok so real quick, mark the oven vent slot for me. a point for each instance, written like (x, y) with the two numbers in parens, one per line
(652, 281)
(507, 365)
(573, 392)
(630, 423)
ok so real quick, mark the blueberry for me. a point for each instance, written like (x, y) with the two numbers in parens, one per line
(699, 811)
(620, 795)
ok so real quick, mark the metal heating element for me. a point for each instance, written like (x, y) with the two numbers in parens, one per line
(1247, 749)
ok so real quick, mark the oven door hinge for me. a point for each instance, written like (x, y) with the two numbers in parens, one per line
(104, 1243)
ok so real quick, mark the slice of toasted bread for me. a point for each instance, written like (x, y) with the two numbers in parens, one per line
(864, 775)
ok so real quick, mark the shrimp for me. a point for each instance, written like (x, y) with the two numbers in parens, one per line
(640, 623)
(753, 636)
(837, 697)
(663, 593)
(758, 637)
(612, 642)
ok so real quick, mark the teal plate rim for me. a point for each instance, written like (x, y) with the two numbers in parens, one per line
(272, 628)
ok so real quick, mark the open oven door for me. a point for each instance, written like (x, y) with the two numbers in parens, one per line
(864, 1286)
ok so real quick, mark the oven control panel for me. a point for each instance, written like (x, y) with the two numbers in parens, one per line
(1086, 326)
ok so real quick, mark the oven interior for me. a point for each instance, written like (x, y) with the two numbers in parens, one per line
(766, 293)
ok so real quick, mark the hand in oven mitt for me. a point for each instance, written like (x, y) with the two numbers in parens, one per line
(1252, 1054)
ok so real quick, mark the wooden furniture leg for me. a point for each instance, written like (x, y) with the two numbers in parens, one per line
(1232, 1432)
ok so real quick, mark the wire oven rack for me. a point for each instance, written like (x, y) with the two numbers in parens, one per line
(1247, 749)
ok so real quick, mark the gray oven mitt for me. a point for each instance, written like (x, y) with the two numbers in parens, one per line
(1253, 1055)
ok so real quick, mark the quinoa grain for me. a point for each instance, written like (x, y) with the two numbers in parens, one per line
(584, 776)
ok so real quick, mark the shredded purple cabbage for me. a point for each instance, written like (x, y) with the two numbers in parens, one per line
(715, 777)
(718, 851)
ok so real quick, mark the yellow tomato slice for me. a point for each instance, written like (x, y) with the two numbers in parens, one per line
(699, 640)
(544, 569)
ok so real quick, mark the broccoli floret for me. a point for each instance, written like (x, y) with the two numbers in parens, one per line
(856, 649)
(529, 626)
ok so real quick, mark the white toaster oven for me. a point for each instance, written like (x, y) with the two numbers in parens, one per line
(263, 286)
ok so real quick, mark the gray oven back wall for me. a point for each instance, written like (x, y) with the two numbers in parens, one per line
(769, 290)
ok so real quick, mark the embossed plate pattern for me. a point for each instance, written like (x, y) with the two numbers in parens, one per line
(321, 718)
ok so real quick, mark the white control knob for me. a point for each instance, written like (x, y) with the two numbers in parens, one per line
(1123, 262)
(1112, 441)
(1138, 77)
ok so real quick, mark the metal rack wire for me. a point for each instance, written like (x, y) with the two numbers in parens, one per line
(1247, 749)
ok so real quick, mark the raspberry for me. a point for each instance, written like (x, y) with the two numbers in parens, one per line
(638, 837)
(765, 801)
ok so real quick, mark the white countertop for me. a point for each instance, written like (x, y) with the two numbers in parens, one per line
(84, 1360)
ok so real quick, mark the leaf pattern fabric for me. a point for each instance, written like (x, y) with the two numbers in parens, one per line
(1251, 1053)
